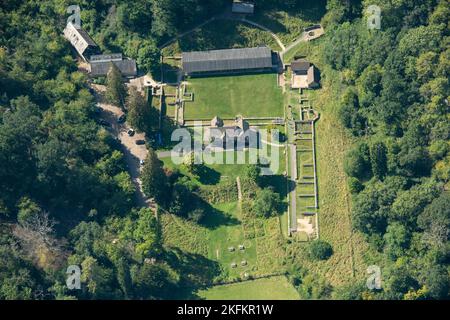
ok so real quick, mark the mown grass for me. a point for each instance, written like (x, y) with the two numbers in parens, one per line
(228, 96)
(274, 288)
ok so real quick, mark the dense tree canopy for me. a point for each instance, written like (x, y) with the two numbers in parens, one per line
(395, 102)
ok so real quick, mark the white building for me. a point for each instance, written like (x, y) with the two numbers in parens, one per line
(81, 41)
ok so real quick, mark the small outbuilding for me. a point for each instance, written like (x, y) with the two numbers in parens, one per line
(235, 135)
(312, 78)
(304, 75)
(300, 66)
(243, 7)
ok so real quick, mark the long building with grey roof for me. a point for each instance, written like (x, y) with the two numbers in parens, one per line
(100, 68)
(228, 60)
(81, 41)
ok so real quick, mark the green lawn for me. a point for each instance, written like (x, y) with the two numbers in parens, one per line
(228, 96)
(227, 232)
(276, 288)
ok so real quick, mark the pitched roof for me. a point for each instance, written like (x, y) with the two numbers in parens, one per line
(241, 123)
(106, 57)
(300, 65)
(311, 77)
(127, 67)
(227, 60)
(79, 39)
(86, 37)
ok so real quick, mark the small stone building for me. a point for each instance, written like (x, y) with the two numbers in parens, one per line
(224, 136)
(304, 75)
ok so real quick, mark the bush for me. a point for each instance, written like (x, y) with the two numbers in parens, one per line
(320, 250)
(224, 192)
(252, 172)
(354, 185)
(357, 162)
(267, 203)
(196, 215)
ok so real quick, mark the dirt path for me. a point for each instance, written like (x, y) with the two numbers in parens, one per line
(302, 38)
(227, 15)
(278, 40)
(238, 182)
(187, 32)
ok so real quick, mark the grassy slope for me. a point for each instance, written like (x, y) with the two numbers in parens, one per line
(223, 227)
(275, 288)
(222, 34)
(335, 225)
(332, 142)
(227, 96)
(289, 24)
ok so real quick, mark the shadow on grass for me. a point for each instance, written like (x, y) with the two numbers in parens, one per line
(195, 270)
(208, 176)
(215, 218)
(308, 10)
(170, 73)
(279, 184)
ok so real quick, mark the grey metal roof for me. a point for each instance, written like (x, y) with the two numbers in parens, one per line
(86, 37)
(106, 57)
(127, 67)
(227, 60)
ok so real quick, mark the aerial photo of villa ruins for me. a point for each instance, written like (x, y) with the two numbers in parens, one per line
(224, 150)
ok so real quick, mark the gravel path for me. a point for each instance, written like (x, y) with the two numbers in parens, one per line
(133, 153)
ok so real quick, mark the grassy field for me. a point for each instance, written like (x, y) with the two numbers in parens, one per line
(274, 288)
(228, 96)
(288, 24)
(225, 225)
